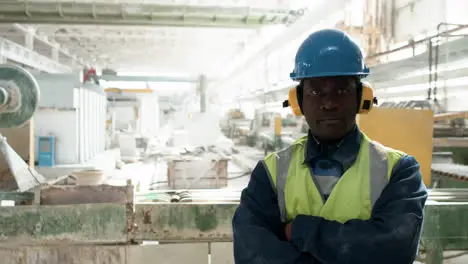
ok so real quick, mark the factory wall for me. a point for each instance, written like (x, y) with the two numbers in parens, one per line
(75, 116)
(149, 115)
(124, 114)
(57, 89)
(62, 125)
(456, 103)
(411, 16)
(92, 105)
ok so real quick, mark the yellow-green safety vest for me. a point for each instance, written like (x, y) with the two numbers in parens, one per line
(354, 194)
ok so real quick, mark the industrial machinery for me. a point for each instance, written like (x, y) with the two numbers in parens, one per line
(450, 125)
(235, 125)
(412, 104)
(19, 98)
(264, 130)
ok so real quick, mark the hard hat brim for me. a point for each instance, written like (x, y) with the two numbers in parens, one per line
(295, 77)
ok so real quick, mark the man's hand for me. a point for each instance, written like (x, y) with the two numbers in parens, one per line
(287, 231)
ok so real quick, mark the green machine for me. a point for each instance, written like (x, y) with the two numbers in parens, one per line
(446, 214)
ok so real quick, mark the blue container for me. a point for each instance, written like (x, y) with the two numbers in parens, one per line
(46, 151)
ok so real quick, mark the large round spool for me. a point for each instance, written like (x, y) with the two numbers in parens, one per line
(89, 177)
(19, 96)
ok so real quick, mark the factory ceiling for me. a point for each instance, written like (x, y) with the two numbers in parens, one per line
(183, 37)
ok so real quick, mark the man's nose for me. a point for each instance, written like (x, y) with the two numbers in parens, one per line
(329, 102)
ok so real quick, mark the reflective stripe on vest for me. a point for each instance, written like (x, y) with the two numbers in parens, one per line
(378, 170)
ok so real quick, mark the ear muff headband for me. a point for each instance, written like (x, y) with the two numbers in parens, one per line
(365, 93)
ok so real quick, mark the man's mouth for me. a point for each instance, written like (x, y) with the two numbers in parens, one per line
(329, 121)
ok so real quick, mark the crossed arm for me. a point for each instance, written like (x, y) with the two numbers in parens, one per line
(257, 229)
(390, 236)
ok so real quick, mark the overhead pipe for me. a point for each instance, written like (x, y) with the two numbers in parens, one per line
(421, 41)
(139, 14)
(68, 6)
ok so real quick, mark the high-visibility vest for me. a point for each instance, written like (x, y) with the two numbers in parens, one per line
(354, 194)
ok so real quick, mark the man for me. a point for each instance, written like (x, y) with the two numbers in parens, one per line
(90, 73)
(335, 196)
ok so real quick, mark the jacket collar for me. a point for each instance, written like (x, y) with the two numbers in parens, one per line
(345, 151)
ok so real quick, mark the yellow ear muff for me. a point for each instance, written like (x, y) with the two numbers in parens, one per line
(367, 99)
(293, 102)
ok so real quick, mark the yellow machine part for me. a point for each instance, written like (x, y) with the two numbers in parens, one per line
(119, 90)
(408, 130)
(278, 125)
(236, 114)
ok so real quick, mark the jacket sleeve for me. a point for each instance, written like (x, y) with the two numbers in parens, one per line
(390, 236)
(258, 232)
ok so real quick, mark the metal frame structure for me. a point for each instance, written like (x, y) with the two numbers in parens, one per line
(10, 50)
(434, 62)
(393, 73)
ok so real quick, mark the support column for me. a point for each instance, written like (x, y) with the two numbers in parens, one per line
(29, 40)
(2, 57)
(202, 83)
(55, 53)
(74, 62)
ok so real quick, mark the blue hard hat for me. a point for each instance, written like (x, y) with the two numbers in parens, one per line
(328, 52)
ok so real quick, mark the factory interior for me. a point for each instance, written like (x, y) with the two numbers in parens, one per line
(130, 127)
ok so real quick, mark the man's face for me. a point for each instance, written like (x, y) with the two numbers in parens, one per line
(329, 105)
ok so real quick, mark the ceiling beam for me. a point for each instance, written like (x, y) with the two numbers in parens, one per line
(148, 37)
(91, 13)
(118, 78)
(161, 44)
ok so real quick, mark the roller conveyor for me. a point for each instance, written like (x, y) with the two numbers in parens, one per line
(194, 196)
(448, 195)
(456, 171)
(223, 196)
(445, 131)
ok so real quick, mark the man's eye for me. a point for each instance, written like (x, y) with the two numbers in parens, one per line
(314, 92)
